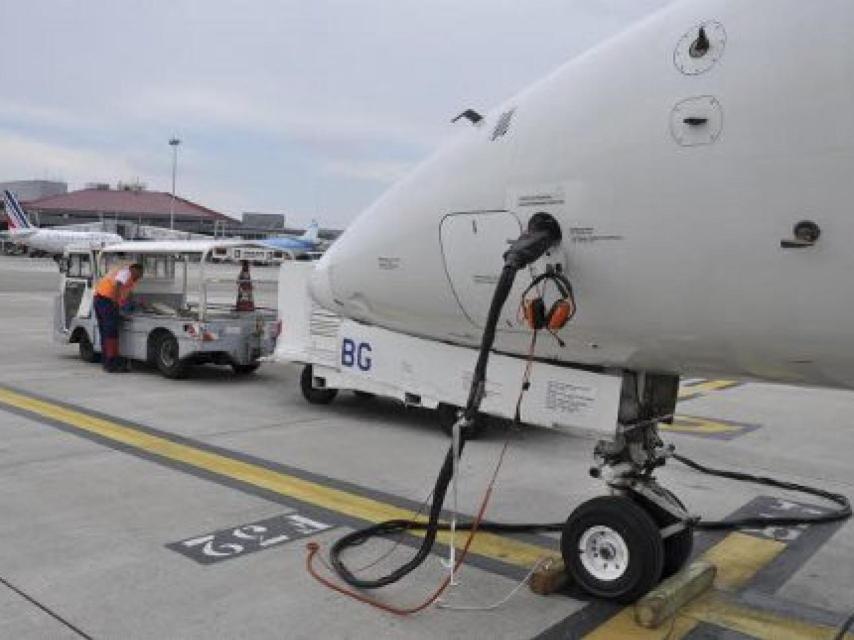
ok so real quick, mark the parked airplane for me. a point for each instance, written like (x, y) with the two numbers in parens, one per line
(703, 195)
(306, 243)
(699, 169)
(53, 241)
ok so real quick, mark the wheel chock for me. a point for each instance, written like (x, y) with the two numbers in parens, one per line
(550, 576)
(663, 602)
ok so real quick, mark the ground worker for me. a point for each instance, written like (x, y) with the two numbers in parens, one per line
(112, 295)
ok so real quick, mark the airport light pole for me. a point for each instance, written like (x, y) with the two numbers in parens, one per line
(173, 142)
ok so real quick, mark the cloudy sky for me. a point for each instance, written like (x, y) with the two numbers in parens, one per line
(309, 108)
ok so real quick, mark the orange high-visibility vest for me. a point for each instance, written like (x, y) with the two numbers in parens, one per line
(108, 287)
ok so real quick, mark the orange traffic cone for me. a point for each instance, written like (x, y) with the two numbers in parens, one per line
(244, 289)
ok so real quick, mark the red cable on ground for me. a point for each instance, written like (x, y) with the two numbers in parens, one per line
(314, 547)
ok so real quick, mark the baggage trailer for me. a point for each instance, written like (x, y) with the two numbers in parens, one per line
(342, 354)
(183, 310)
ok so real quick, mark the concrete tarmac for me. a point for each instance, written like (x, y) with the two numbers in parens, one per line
(139, 507)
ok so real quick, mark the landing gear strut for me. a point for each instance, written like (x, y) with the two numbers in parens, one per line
(619, 546)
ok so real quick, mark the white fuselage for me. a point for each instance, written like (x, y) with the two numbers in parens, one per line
(55, 241)
(671, 231)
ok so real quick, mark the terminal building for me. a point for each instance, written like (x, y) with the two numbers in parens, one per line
(134, 212)
(125, 210)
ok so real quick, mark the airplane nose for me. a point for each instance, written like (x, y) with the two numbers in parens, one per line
(320, 284)
(344, 273)
(387, 267)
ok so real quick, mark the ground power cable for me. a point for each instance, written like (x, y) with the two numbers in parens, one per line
(396, 540)
(542, 234)
(526, 383)
(843, 512)
(313, 548)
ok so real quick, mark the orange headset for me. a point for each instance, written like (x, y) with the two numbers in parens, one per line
(561, 312)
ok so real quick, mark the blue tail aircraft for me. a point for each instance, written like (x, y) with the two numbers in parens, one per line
(307, 242)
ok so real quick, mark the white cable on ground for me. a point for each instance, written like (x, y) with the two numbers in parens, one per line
(504, 600)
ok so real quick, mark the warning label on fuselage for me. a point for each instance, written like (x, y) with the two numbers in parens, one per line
(569, 398)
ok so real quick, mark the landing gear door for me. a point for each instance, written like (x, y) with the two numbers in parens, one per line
(472, 246)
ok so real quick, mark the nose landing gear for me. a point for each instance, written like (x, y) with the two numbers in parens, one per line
(619, 546)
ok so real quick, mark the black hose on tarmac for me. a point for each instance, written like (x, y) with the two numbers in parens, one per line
(543, 233)
(842, 513)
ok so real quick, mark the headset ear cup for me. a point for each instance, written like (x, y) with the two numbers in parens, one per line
(559, 314)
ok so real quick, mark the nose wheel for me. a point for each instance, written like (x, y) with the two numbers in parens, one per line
(612, 548)
(619, 546)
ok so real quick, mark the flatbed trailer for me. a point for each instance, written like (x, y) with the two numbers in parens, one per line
(176, 318)
(341, 354)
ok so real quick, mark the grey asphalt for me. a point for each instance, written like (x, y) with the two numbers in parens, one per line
(85, 526)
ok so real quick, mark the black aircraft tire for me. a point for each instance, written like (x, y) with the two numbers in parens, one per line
(312, 394)
(677, 550)
(678, 547)
(612, 549)
(166, 358)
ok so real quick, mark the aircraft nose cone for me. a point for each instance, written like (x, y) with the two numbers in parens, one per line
(320, 284)
(344, 275)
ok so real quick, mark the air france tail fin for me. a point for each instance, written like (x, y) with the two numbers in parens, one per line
(310, 234)
(17, 218)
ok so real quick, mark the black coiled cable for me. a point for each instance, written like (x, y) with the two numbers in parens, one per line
(542, 234)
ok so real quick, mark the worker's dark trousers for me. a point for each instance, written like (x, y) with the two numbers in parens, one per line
(107, 313)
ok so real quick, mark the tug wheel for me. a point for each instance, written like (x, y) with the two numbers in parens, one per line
(311, 393)
(86, 349)
(612, 549)
(166, 356)
(364, 396)
(448, 416)
(245, 369)
(677, 547)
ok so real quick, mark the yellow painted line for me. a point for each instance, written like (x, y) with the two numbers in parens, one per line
(705, 387)
(699, 426)
(344, 502)
(623, 627)
(738, 558)
(718, 610)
